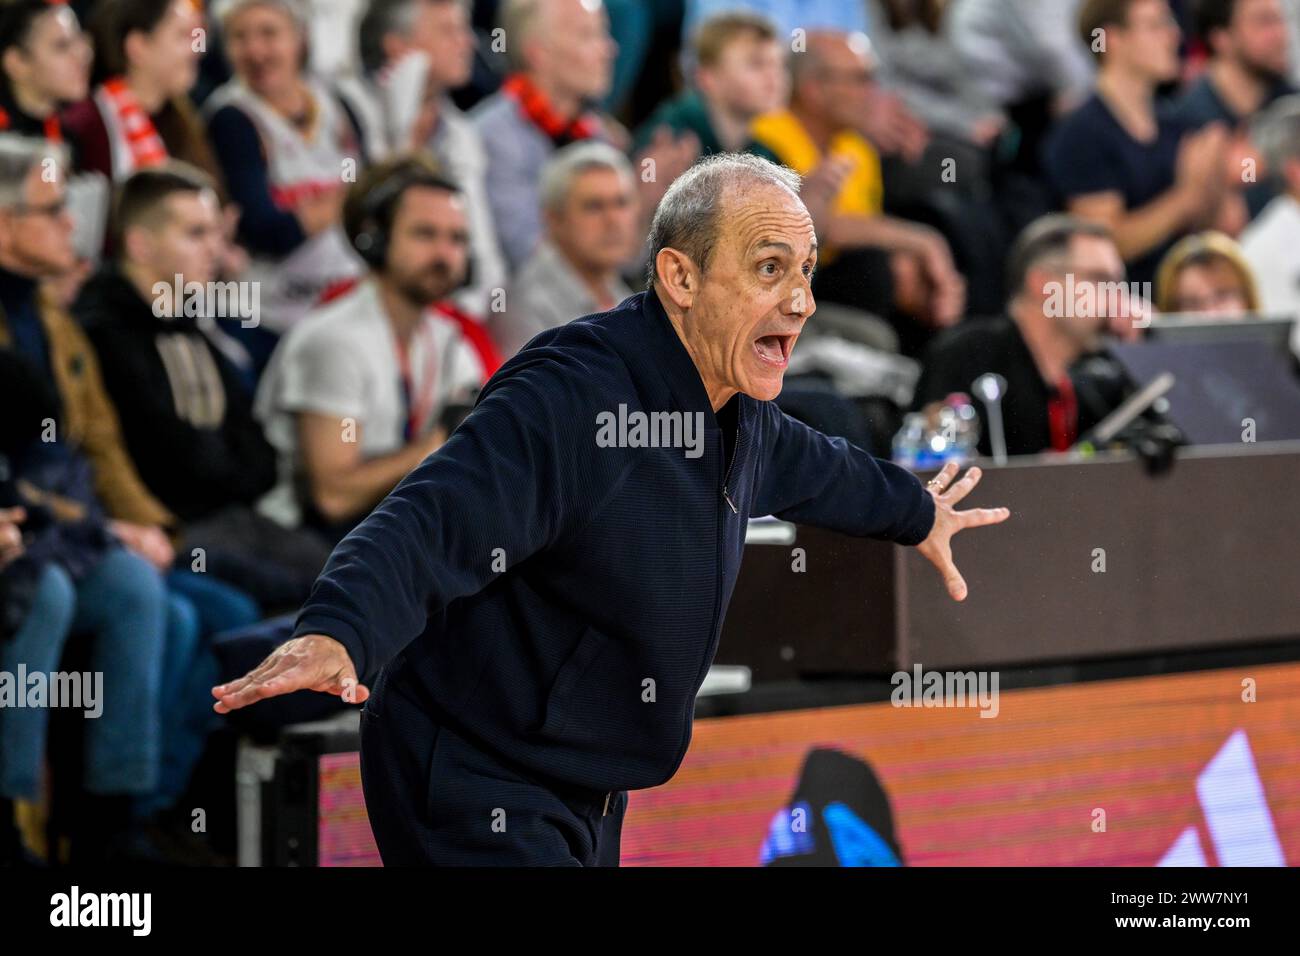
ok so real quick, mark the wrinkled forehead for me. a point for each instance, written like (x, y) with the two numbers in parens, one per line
(758, 215)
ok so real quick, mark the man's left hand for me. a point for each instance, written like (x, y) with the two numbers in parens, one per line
(937, 548)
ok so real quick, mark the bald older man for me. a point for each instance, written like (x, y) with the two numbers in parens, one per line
(538, 603)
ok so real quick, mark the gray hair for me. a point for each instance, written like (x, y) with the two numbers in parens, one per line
(518, 19)
(689, 216)
(1047, 237)
(383, 17)
(223, 10)
(1277, 131)
(570, 162)
(19, 155)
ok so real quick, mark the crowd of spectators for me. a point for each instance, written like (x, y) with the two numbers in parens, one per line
(397, 195)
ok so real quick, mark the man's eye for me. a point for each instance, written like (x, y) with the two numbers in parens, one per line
(768, 268)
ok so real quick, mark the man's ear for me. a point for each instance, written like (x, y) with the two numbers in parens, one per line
(136, 244)
(394, 46)
(704, 81)
(678, 276)
(131, 46)
(12, 57)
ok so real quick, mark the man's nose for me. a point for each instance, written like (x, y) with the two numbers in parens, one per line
(801, 301)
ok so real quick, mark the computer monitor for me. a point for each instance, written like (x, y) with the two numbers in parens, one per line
(1223, 391)
(1274, 330)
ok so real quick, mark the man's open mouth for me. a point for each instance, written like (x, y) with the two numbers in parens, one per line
(775, 349)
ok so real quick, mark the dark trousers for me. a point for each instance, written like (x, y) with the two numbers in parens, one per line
(435, 798)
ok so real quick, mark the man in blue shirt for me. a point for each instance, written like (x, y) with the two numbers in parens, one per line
(537, 604)
(1123, 160)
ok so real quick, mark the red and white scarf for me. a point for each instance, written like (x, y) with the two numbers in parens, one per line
(132, 137)
(537, 108)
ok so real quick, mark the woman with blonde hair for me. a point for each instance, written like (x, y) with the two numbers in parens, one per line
(1206, 273)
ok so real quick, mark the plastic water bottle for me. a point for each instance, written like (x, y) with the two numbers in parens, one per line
(944, 431)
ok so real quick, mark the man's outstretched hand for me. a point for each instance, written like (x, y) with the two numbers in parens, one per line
(310, 662)
(948, 521)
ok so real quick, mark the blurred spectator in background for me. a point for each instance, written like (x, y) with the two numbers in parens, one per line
(950, 185)
(1121, 160)
(787, 16)
(1249, 60)
(738, 74)
(186, 418)
(1206, 273)
(139, 113)
(363, 389)
(893, 268)
(39, 232)
(149, 649)
(588, 196)
(413, 53)
(1272, 242)
(918, 60)
(44, 66)
(72, 574)
(1018, 52)
(286, 146)
(1025, 57)
(1037, 344)
(1248, 65)
(561, 56)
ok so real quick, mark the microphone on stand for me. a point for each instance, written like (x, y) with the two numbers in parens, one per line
(990, 387)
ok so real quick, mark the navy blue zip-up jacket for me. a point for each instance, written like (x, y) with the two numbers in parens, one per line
(561, 600)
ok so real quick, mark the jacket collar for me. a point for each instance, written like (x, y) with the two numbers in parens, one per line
(672, 360)
(110, 297)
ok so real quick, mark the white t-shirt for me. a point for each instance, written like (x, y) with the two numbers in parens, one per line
(342, 360)
(1269, 244)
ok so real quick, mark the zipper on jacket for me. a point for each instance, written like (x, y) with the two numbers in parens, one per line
(716, 632)
(726, 479)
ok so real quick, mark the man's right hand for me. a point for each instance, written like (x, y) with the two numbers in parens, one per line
(311, 662)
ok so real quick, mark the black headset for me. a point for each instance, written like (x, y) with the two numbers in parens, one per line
(378, 206)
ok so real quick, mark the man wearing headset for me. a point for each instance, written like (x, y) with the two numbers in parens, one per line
(361, 391)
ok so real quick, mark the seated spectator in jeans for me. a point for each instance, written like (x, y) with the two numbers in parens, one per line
(37, 230)
(1208, 275)
(428, 45)
(738, 74)
(898, 269)
(589, 205)
(1250, 59)
(73, 575)
(562, 58)
(362, 390)
(1122, 160)
(1038, 345)
(186, 419)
